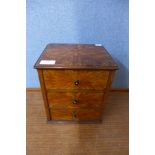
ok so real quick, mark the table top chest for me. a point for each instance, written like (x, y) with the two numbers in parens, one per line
(74, 79)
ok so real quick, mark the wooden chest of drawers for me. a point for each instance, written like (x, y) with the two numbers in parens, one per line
(74, 79)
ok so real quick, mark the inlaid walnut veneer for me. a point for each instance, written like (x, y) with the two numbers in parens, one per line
(74, 86)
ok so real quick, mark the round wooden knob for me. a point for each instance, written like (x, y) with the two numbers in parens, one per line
(74, 115)
(75, 101)
(77, 82)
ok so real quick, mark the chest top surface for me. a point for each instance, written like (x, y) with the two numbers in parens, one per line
(75, 56)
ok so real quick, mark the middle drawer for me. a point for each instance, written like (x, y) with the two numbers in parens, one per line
(74, 99)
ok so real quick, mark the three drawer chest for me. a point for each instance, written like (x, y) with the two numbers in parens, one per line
(74, 80)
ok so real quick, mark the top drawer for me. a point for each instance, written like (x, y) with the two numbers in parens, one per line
(75, 79)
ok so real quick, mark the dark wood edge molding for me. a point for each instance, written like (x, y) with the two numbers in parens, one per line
(119, 90)
(74, 122)
(111, 90)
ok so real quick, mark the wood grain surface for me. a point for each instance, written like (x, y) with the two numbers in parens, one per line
(75, 114)
(80, 80)
(74, 99)
(76, 56)
(65, 79)
(107, 138)
(44, 93)
(111, 89)
(76, 67)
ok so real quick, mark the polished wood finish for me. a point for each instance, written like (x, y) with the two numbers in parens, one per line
(75, 114)
(76, 56)
(92, 79)
(65, 79)
(59, 79)
(111, 89)
(40, 73)
(80, 78)
(110, 137)
(74, 99)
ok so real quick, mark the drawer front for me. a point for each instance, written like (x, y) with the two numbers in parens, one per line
(76, 114)
(77, 99)
(92, 79)
(59, 79)
(74, 79)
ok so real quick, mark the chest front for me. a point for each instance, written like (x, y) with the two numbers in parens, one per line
(74, 81)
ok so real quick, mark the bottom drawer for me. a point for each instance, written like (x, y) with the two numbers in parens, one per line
(76, 114)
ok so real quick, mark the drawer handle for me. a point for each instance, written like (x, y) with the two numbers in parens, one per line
(77, 82)
(75, 101)
(74, 115)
